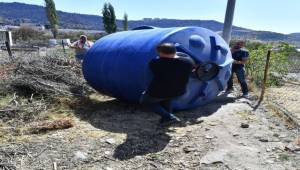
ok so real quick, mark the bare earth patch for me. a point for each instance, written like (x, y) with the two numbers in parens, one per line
(93, 131)
(109, 134)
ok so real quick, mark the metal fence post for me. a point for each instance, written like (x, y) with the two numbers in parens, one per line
(63, 44)
(7, 44)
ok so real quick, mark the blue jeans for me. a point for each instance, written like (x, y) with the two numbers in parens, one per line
(160, 106)
(240, 74)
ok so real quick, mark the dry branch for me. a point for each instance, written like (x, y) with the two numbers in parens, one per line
(45, 126)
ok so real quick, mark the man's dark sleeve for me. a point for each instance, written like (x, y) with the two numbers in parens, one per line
(188, 60)
(245, 55)
(152, 65)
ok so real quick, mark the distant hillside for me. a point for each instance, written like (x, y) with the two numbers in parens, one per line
(295, 35)
(16, 13)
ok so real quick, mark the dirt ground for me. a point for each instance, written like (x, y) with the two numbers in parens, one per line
(109, 134)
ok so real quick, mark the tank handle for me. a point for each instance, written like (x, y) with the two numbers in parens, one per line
(215, 48)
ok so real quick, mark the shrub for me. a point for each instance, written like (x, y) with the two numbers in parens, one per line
(74, 36)
(27, 34)
(280, 61)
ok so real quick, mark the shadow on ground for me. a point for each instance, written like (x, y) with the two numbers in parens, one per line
(144, 134)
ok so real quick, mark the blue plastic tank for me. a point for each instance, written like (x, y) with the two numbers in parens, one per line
(117, 64)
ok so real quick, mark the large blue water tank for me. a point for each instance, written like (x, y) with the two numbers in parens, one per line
(117, 64)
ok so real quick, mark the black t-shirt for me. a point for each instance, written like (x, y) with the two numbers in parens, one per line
(240, 55)
(170, 77)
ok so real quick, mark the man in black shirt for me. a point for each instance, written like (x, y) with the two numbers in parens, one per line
(240, 56)
(170, 77)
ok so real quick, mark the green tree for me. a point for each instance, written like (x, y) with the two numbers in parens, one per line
(125, 22)
(109, 18)
(52, 16)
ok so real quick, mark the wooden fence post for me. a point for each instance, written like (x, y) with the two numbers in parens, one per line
(264, 83)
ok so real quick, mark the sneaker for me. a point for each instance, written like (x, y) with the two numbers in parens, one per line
(246, 95)
(228, 91)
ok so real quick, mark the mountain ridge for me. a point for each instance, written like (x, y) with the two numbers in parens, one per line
(16, 13)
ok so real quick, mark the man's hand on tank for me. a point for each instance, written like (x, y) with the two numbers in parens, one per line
(195, 68)
(240, 62)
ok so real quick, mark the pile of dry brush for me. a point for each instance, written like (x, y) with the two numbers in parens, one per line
(31, 82)
(48, 76)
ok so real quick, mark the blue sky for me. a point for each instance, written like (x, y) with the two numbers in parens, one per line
(271, 15)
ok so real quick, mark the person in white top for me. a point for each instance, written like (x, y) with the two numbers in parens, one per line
(81, 47)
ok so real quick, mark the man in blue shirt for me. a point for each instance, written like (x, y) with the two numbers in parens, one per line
(240, 56)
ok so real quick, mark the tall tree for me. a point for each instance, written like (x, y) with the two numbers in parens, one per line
(125, 22)
(109, 18)
(52, 16)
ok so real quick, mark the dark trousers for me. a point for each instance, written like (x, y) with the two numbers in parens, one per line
(240, 74)
(160, 106)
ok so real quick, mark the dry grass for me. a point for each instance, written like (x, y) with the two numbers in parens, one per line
(31, 91)
(69, 124)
